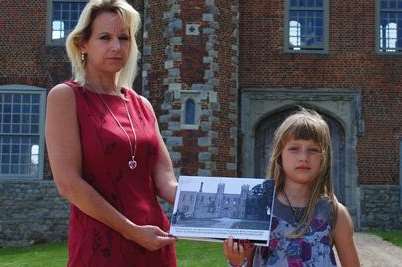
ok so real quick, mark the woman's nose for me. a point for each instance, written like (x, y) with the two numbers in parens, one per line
(116, 44)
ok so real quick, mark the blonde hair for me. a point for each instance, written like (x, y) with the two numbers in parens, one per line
(305, 124)
(83, 30)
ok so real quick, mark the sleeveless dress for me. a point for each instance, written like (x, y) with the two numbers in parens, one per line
(314, 249)
(105, 153)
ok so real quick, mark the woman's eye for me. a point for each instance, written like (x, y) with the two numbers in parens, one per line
(124, 38)
(105, 37)
(293, 149)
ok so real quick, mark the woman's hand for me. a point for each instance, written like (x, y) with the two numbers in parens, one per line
(151, 237)
(237, 251)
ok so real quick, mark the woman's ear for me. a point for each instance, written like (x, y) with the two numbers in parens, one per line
(82, 46)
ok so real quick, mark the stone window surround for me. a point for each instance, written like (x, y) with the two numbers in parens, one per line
(49, 41)
(286, 31)
(15, 88)
(377, 32)
(341, 104)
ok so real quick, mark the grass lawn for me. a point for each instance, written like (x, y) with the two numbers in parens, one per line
(189, 254)
(393, 236)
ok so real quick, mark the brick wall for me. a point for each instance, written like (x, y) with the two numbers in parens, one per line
(23, 53)
(351, 63)
(176, 62)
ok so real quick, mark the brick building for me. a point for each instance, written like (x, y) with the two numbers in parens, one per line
(221, 76)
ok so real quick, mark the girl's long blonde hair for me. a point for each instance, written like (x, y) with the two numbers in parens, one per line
(305, 124)
(83, 30)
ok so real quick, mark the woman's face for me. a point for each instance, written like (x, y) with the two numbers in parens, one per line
(109, 44)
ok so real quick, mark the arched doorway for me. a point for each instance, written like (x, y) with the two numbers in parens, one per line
(264, 133)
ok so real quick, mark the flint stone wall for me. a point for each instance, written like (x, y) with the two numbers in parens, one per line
(31, 212)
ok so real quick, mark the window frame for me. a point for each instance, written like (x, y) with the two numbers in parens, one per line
(378, 30)
(325, 48)
(27, 89)
(49, 40)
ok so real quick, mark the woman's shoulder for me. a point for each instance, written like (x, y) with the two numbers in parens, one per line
(61, 91)
(142, 99)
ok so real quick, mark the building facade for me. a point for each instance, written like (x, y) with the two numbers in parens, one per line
(206, 205)
(221, 75)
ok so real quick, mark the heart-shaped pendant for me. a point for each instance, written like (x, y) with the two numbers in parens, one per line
(132, 164)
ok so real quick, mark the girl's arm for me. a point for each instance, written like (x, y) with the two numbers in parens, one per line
(163, 174)
(238, 253)
(343, 237)
(64, 151)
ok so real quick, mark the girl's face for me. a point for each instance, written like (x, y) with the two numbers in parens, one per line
(109, 44)
(301, 160)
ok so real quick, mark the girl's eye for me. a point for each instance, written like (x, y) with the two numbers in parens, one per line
(293, 148)
(104, 37)
(314, 150)
(124, 38)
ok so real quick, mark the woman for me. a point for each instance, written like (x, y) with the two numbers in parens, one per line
(106, 153)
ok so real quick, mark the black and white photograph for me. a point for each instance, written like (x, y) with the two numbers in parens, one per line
(214, 208)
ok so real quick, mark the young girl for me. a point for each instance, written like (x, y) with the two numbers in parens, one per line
(308, 220)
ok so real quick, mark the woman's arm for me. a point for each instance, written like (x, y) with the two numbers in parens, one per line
(163, 174)
(343, 237)
(64, 151)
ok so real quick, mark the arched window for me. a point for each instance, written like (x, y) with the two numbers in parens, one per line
(189, 111)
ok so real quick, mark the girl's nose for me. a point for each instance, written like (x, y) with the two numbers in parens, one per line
(303, 155)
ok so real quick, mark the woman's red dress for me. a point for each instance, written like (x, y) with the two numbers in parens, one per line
(105, 154)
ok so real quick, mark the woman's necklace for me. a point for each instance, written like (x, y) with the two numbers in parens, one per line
(132, 163)
(297, 212)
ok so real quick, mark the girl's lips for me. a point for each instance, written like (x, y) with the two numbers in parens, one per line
(303, 168)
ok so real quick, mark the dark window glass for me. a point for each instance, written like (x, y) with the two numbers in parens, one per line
(190, 111)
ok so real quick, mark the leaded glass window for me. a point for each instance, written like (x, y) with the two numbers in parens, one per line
(63, 18)
(21, 135)
(306, 27)
(390, 26)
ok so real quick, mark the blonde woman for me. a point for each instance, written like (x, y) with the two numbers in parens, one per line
(106, 153)
(308, 220)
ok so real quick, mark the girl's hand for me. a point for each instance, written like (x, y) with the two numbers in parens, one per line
(152, 237)
(236, 252)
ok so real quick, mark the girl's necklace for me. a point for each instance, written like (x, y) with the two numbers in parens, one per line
(132, 163)
(297, 213)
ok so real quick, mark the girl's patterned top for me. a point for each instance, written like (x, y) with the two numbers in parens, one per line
(313, 249)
